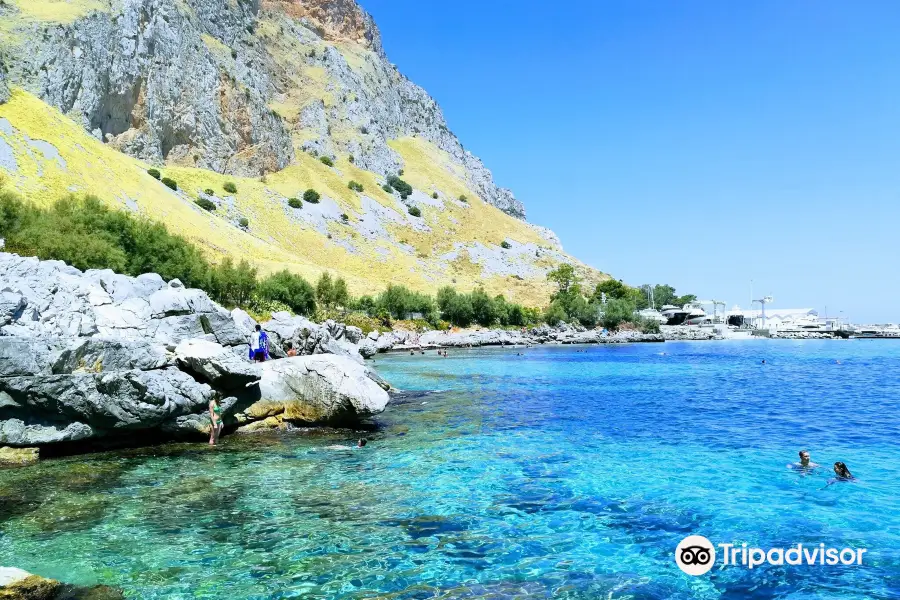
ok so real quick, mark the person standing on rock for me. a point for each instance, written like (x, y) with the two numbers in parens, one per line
(259, 345)
(215, 417)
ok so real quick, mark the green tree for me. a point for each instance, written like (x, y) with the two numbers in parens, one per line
(554, 314)
(233, 285)
(365, 304)
(340, 297)
(612, 288)
(564, 277)
(483, 309)
(290, 289)
(325, 290)
(615, 312)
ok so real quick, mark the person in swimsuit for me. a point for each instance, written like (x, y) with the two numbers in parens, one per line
(215, 416)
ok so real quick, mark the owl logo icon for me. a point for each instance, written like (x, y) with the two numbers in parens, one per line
(695, 555)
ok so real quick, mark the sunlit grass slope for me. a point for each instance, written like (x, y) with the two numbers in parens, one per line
(53, 156)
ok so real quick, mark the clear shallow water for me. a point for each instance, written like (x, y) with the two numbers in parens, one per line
(559, 474)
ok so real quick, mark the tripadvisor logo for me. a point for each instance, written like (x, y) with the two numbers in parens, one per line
(696, 555)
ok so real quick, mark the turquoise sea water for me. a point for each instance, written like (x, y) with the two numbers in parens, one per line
(564, 473)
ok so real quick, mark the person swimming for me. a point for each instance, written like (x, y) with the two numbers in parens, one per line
(805, 464)
(361, 443)
(842, 472)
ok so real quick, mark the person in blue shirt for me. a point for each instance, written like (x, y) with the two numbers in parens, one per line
(259, 345)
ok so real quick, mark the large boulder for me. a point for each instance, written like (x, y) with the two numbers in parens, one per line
(47, 409)
(222, 368)
(368, 348)
(320, 389)
(97, 355)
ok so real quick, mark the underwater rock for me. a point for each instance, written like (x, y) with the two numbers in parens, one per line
(16, 584)
(17, 457)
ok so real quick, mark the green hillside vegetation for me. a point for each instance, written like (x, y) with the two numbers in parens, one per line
(85, 233)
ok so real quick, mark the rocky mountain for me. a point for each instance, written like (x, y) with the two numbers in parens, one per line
(276, 97)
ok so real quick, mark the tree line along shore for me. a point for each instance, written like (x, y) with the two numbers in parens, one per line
(85, 233)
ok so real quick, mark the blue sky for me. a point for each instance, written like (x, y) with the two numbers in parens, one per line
(700, 144)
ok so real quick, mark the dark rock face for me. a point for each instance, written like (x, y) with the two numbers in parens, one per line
(145, 79)
(4, 87)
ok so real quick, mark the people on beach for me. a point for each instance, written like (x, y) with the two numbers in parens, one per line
(292, 351)
(259, 345)
(805, 464)
(215, 417)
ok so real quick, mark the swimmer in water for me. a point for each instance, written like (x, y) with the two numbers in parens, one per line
(843, 474)
(764, 361)
(805, 463)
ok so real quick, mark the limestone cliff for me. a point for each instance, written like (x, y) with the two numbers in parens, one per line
(255, 92)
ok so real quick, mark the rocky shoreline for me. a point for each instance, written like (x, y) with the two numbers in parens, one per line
(562, 334)
(95, 357)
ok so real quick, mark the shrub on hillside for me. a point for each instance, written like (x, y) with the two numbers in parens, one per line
(295, 203)
(154, 173)
(209, 192)
(326, 160)
(434, 195)
(414, 211)
(345, 218)
(505, 245)
(205, 204)
(387, 189)
(230, 187)
(311, 196)
(244, 222)
(399, 185)
(355, 186)
(463, 198)
(170, 183)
